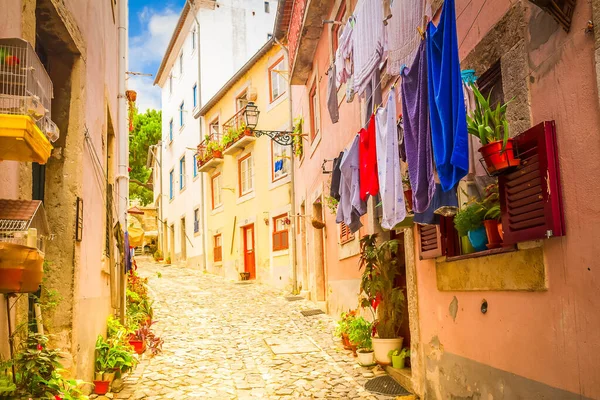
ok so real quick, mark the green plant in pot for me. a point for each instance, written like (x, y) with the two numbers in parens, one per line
(360, 331)
(491, 218)
(343, 326)
(399, 357)
(491, 127)
(469, 223)
(213, 149)
(380, 267)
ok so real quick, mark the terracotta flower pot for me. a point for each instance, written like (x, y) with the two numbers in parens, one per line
(501, 232)
(101, 387)
(491, 229)
(496, 159)
(217, 154)
(138, 345)
(346, 341)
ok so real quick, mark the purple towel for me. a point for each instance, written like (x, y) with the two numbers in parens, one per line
(417, 132)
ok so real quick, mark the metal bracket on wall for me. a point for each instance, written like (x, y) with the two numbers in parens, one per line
(324, 168)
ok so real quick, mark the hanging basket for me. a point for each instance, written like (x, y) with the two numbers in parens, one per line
(21, 268)
(317, 224)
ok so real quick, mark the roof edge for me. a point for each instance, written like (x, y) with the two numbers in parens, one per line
(182, 17)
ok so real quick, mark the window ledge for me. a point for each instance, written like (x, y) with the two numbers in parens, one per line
(280, 253)
(217, 210)
(493, 270)
(280, 182)
(282, 97)
(246, 197)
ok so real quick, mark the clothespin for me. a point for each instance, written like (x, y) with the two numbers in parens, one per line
(421, 32)
(402, 68)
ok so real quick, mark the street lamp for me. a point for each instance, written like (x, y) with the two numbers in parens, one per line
(251, 113)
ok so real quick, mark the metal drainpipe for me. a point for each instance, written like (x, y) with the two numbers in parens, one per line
(292, 174)
(123, 140)
(199, 88)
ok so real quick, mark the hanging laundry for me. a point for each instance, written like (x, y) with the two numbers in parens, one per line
(369, 181)
(417, 133)
(401, 144)
(388, 164)
(350, 207)
(332, 100)
(278, 165)
(402, 35)
(440, 200)
(343, 54)
(334, 190)
(446, 100)
(373, 93)
(369, 41)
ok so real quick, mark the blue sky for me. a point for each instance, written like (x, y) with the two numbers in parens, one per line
(151, 24)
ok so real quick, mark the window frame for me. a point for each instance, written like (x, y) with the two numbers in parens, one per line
(273, 69)
(346, 234)
(218, 255)
(196, 220)
(248, 159)
(284, 232)
(182, 180)
(181, 118)
(181, 64)
(336, 28)
(171, 184)
(216, 177)
(243, 96)
(171, 130)
(267, 7)
(315, 122)
(286, 156)
(195, 166)
(195, 95)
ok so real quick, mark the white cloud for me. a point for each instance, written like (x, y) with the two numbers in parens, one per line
(146, 51)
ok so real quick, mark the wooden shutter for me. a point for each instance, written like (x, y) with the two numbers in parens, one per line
(346, 234)
(530, 196)
(430, 241)
(449, 235)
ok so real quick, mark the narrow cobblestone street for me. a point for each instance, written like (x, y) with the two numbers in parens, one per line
(216, 335)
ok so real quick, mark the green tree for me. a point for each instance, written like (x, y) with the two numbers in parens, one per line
(146, 132)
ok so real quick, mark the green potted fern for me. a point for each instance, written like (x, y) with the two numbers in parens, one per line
(469, 225)
(491, 127)
(359, 334)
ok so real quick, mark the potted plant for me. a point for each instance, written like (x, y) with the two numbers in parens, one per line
(491, 127)
(343, 326)
(168, 260)
(101, 381)
(380, 268)
(137, 339)
(360, 336)
(399, 356)
(491, 218)
(214, 150)
(469, 224)
(158, 256)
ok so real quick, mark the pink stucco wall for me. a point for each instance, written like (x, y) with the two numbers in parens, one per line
(550, 337)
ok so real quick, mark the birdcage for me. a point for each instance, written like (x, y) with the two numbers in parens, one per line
(25, 99)
(23, 234)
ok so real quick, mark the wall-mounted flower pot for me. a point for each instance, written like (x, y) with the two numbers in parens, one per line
(466, 246)
(496, 159)
(101, 387)
(398, 362)
(478, 239)
(491, 229)
(21, 268)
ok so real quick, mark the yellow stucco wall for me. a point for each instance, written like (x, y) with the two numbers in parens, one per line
(267, 200)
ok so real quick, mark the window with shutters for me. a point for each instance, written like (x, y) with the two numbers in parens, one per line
(430, 241)
(280, 233)
(346, 234)
(245, 175)
(217, 248)
(216, 190)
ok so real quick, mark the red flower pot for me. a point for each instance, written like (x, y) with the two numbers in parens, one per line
(491, 228)
(408, 196)
(101, 387)
(138, 345)
(496, 159)
(346, 341)
(217, 154)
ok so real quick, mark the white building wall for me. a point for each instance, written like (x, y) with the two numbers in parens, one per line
(230, 34)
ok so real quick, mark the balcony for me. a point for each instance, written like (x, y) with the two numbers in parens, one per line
(210, 153)
(237, 137)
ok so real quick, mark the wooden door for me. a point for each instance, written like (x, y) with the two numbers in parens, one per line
(249, 259)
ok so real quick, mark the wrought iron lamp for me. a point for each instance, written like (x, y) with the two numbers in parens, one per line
(284, 138)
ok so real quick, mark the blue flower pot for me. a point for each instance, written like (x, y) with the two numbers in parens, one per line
(478, 239)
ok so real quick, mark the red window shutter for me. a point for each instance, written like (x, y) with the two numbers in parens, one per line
(284, 240)
(530, 196)
(449, 235)
(345, 234)
(430, 241)
(276, 241)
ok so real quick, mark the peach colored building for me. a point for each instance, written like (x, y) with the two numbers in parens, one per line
(77, 43)
(518, 324)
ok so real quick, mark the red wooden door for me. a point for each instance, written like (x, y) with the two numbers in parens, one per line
(249, 265)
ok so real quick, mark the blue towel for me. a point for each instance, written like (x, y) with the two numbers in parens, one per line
(446, 100)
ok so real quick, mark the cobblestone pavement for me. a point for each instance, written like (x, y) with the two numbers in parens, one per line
(215, 334)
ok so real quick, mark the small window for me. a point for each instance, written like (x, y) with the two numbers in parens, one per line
(171, 130)
(276, 80)
(181, 114)
(171, 176)
(346, 234)
(194, 39)
(182, 173)
(181, 64)
(267, 7)
(245, 175)
(195, 94)
(314, 113)
(490, 83)
(281, 161)
(216, 190)
(195, 167)
(171, 84)
(280, 233)
(218, 248)
(241, 101)
(213, 127)
(196, 220)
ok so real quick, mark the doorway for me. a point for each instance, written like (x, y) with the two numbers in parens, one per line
(319, 252)
(401, 282)
(303, 243)
(183, 240)
(171, 254)
(249, 258)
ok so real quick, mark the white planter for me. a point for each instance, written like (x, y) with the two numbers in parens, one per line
(365, 358)
(382, 347)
